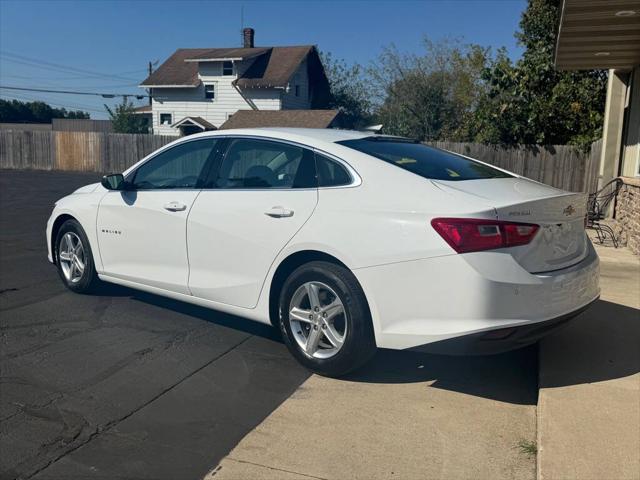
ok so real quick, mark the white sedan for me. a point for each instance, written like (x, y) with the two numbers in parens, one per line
(345, 241)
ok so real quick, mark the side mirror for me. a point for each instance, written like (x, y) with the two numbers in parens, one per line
(114, 181)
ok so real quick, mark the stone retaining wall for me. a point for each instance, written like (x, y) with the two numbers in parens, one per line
(627, 214)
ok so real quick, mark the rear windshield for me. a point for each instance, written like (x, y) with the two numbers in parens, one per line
(428, 162)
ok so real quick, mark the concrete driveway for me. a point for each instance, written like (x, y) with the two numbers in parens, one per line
(427, 417)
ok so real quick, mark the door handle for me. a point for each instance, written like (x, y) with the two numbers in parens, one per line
(175, 206)
(279, 212)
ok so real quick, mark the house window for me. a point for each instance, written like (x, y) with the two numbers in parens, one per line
(227, 68)
(297, 89)
(210, 91)
(165, 119)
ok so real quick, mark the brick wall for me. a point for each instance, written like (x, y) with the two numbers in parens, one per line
(627, 214)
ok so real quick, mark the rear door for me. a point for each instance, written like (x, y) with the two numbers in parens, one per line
(255, 201)
(142, 231)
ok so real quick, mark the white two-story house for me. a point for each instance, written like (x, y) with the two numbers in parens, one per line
(198, 89)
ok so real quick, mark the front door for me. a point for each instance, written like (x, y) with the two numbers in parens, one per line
(142, 231)
(260, 196)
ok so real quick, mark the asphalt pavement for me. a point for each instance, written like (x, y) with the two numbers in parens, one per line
(128, 385)
(121, 384)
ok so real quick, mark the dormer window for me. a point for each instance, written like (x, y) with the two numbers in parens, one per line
(210, 91)
(227, 68)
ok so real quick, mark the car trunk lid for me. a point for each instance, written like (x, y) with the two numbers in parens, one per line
(561, 241)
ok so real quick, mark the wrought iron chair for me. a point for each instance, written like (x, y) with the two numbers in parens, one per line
(597, 210)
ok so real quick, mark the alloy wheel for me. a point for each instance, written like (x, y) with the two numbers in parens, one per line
(71, 257)
(317, 318)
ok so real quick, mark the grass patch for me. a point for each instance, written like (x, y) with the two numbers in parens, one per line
(528, 447)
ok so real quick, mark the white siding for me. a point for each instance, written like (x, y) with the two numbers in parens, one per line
(302, 101)
(191, 102)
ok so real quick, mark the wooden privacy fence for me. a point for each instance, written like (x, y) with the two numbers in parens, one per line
(562, 166)
(77, 151)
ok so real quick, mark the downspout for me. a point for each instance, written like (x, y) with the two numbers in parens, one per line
(249, 101)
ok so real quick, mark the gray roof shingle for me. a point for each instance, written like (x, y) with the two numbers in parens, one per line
(273, 66)
(281, 118)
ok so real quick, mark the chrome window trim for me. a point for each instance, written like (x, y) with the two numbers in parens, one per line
(161, 150)
(356, 180)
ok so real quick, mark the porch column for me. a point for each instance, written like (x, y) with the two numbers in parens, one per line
(613, 126)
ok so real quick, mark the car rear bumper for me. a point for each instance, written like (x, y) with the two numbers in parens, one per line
(431, 300)
(501, 340)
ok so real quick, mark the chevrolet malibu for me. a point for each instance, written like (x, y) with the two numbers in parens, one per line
(344, 241)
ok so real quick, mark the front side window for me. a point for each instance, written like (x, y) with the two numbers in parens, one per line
(227, 68)
(210, 91)
(178, 167)
(428, 162)
(165, 119)
(259, 164)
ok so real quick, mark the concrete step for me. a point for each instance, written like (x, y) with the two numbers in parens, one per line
(589, 383)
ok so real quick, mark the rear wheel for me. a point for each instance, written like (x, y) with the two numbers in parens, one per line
(74, 258)
(325, 320)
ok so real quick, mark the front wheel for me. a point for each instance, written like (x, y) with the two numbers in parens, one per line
(325, 319)
(74, 258)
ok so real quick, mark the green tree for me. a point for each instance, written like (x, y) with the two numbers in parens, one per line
(15, 111)
(530, 102)
(350, 93)
(432, 95)
(124, 119)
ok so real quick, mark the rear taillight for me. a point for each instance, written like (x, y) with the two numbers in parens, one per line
(473, 235)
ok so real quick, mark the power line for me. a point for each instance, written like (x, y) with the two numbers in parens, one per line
(68, 106)
(76, 77)
(70, 92)
(57, 66)
(83, 87)
(54, 103)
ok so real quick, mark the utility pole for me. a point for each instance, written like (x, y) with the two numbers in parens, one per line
(241, 25)
(149, 90)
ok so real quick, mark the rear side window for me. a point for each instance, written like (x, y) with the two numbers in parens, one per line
(428, 162)
(260, 164)
(330, 173)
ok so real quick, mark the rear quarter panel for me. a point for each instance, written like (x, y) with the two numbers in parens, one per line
(386, 218)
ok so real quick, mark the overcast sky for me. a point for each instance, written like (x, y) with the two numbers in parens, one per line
(105, 45)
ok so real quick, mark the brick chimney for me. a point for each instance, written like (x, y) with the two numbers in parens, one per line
(247, 35)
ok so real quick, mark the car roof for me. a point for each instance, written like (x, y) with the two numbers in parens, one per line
(303, 135)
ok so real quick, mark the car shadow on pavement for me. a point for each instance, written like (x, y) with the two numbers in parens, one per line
(608, 332)
(508, 377)
(209, 315)
(601, 344)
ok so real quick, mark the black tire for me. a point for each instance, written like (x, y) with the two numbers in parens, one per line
(88, 281)
(359, 340)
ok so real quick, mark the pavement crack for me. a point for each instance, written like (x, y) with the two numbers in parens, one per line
(5, 290)
(272, 468)
(109, 425)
